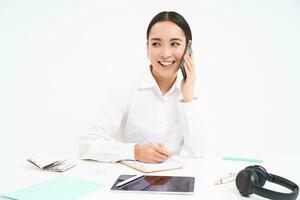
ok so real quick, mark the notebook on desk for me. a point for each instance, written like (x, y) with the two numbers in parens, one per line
(169, 164)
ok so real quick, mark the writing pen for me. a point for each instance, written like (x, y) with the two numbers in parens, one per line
(122, 183)
(148, 140)
(144, 136)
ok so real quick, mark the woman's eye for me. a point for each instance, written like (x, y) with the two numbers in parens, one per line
(155, 44)
(175, 44)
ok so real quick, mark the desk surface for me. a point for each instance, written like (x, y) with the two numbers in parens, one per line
(16, 173)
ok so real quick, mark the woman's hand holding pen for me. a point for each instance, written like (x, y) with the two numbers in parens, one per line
(187, 86)
(151, 153)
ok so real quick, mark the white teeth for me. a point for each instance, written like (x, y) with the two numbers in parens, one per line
(166, 63)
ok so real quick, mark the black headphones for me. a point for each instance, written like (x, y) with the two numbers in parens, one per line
(252, 179)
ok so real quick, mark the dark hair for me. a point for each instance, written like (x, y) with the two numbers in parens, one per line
(173, 17)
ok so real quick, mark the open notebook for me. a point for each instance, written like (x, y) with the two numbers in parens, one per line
(50, 162)
(169, 164)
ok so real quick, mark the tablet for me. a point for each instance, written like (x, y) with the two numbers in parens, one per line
(157, 184)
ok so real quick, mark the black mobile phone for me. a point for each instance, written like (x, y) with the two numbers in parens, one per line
(189, 50)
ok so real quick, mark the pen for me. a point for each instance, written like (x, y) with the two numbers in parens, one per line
(148, 140)
(122, 183)
(144, 136)
(51, 165)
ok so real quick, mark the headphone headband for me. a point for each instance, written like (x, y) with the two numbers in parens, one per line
(251, 180)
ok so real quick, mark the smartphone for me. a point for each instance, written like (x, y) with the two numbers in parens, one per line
(189, 50)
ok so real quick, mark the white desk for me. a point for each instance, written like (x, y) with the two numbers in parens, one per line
(16, 173)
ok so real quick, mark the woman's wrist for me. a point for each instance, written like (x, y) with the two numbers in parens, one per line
(188, 95)
(187, 98)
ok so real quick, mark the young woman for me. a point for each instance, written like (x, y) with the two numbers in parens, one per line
(160, 114)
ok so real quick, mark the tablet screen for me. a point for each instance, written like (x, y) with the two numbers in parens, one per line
(162, 184)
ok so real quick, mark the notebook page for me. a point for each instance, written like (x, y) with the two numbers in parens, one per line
(152, 167)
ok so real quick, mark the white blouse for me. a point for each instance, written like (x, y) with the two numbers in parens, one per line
(142, 107)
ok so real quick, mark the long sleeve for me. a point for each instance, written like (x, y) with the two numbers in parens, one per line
(100, 142)
(195, 135)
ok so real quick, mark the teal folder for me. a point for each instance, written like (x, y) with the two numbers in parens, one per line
(61, 188)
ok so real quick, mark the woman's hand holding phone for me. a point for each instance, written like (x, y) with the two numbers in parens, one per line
(188, 84)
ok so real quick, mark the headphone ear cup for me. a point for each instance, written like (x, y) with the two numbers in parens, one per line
(261, 174)
(244, 181)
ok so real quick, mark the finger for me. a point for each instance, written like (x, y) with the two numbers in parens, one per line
(190, 58)
(162, 149)
(190, 68)
(158, 159)
(163, 146)
(160, 155)
(190, 63)
(187, 70)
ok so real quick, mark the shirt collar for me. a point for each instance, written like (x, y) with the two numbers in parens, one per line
(148, 81)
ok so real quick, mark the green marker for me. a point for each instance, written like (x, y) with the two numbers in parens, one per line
(242, 159)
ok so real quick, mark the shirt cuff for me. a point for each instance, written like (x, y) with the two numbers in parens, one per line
(192, 108)
(127, 151)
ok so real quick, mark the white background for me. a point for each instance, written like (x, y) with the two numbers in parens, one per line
(59, 58)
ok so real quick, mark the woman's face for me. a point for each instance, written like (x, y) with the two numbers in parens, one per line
(165, 48)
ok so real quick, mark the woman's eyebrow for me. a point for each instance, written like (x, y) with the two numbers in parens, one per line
(176, 39)
(155, 39)
(173, 39)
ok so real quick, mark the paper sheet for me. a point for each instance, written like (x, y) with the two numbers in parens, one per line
(61, 188)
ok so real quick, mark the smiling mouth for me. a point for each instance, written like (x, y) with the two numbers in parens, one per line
(166, 63)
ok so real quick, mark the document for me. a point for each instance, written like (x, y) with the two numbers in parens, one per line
(61, 188)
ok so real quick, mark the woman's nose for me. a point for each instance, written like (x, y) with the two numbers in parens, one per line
(165, 52)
